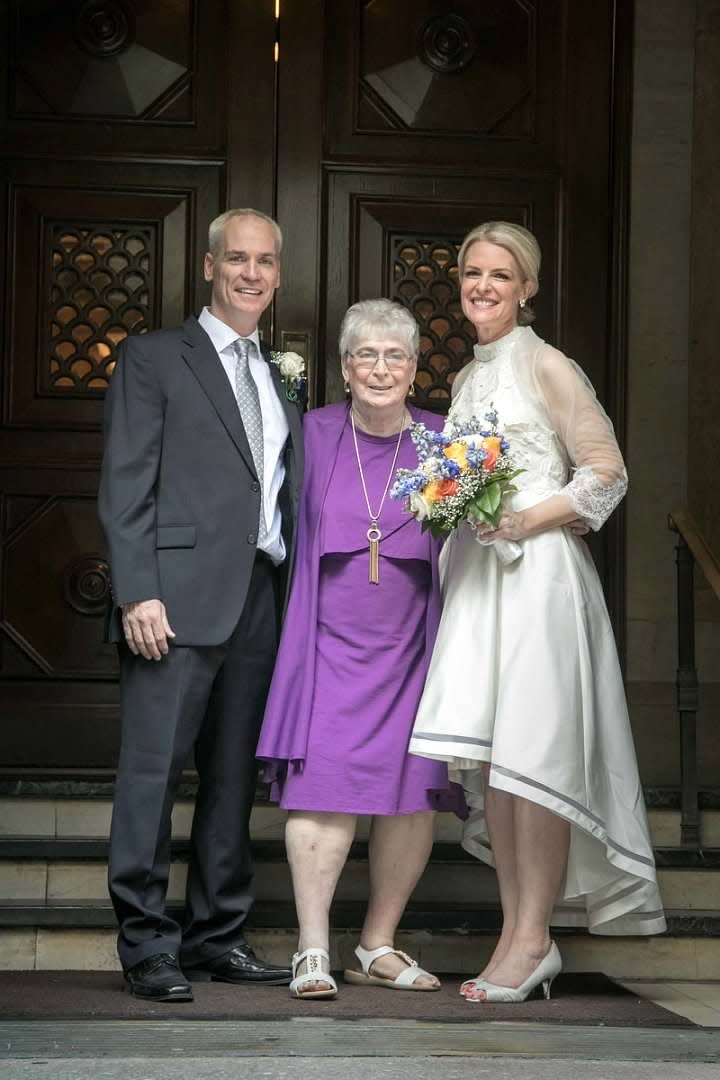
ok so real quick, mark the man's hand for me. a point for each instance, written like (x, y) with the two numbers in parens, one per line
(146, 628)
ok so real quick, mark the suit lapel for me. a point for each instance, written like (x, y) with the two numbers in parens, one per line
(200, 356)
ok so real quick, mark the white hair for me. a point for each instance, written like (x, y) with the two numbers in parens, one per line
(375, 319)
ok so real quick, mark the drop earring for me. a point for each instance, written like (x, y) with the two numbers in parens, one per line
(411, 391)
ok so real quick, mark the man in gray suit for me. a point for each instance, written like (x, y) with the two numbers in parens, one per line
(198, 496)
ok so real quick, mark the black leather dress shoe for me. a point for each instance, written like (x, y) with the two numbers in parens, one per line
(239, 965)
(159, 979)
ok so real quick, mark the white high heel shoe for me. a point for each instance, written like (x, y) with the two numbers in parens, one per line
(547, 970)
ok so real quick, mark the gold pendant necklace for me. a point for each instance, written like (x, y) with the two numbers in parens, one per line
(373, 534)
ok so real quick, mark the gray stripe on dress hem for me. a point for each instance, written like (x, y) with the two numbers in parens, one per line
(430, 737)
(619, 895)
(579, 909)
(578, 806)
(640, 914)
(627, 853)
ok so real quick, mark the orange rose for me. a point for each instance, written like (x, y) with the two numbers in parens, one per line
(490, 461)
(447, 488)
(440, 489)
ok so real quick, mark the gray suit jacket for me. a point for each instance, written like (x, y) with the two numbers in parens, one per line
(179, 496)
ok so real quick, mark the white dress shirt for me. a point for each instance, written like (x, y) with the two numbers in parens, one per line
(275, 425)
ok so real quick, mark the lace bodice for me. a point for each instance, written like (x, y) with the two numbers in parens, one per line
(496, 377)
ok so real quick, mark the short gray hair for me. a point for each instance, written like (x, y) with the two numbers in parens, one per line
(216, 230)
(378, 318)
(521, 244)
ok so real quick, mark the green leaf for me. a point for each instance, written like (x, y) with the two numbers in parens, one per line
(491, 498)
(480, 516)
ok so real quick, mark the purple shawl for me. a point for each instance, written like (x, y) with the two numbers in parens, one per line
(285, 727)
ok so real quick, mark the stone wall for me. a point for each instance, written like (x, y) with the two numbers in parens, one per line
(659, 433)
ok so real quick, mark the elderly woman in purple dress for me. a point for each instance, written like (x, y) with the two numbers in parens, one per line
(361, 622)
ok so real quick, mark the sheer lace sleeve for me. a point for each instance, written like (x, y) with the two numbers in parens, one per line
(599, 480)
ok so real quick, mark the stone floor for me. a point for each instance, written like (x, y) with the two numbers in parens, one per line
(318, 1049)
(158, 1041)
(358, 1069)
(698, 1001)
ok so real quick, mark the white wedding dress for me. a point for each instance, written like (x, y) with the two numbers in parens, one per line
(525, 673)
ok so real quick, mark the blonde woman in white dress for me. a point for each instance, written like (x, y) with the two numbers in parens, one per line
(524, 696)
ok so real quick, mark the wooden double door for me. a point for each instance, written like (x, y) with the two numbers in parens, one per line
(377, 131)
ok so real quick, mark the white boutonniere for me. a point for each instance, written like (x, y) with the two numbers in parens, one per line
(292, 372)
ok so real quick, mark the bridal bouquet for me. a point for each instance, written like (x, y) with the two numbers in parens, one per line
(463, 474)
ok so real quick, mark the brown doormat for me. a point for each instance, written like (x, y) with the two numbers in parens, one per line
(591, 999)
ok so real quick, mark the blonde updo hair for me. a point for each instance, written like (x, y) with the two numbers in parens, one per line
(521, 244)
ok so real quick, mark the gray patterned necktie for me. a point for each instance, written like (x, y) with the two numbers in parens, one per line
(248, 400)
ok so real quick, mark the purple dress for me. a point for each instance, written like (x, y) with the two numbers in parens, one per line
(353, 656)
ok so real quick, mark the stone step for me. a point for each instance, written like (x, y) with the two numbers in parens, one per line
(89, 818)
(459, 950)
(452, 875)
(54, 912)
(52, 849)
(435, 916)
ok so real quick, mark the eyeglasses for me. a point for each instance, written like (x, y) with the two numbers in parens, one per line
(366, 359)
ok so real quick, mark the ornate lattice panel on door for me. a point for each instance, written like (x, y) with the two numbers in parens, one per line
(101, 288)
(425, 279)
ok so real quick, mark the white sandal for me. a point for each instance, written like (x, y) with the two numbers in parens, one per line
(317, 970)
(406, 980)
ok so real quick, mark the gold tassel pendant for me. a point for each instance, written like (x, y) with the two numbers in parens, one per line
(374, 537)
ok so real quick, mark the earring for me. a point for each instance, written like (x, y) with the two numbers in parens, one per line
(523, 301)
(411, 391)
(346, 387)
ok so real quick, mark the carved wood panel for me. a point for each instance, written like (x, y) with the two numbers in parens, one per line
(128, 74)
(126, 60)
(418, 79)
(54, 588)
(93, 263)
(439, 69)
